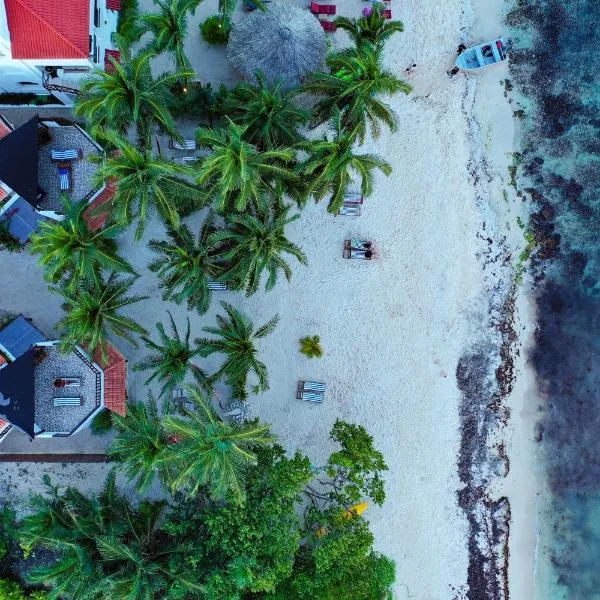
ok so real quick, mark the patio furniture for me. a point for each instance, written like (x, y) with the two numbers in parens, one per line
(186, 159)
(314, 391)
(322, 9)
(217, 285)
(61, 382)
(183, 145)
(64, 176)
(64, 154)
(349, 210)
(328, 26)
(358, 249)
(353, 198)
(68, 401)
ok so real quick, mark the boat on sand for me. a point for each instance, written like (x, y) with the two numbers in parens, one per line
(482, 56)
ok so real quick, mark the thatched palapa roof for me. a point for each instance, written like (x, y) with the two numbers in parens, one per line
(285, 42)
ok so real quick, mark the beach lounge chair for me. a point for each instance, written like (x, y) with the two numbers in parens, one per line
(64, 177)
(358, 249)
(328, 26)
(310, 390)
(69, 381)
(68, 401)
(64, 154)
(313, 386)
(322, 9)
(350, 210)
(184, 160)
(312, 397)
(183, 145)
(387, 14)
(353, 198)
(217, 285)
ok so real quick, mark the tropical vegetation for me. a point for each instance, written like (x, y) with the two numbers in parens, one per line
(71, 252)
(236, 339)
(253, 244)
(171, 361)
(311, 346)
(93, 308)
(185, 266)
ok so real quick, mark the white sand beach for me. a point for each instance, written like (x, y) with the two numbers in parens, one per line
(394, 328)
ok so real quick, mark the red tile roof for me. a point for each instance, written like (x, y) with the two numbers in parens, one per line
(115, 379)
(49, 28)
(4, 129)
(113, 4)
(3, 194)
(108, 66)
(96, 219)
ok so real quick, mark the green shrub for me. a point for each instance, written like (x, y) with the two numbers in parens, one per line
(311, 346)
(7, 531)
(102, 422)
(7, 240)
(213, 32)
(129, 27)
(9, 590)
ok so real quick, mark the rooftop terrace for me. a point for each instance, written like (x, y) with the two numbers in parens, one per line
(65, 419)
(66, 137)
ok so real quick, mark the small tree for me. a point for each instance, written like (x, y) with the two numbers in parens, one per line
(102, 422)
(311, 346)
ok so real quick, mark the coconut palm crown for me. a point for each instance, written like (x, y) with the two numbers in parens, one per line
(139, 444)
(236, 337)
(372, 29)
(70, 251)
(331, 165)
(268, 115)
(170, 363)
(353, 86)
(169, 27)
(237, 173)
(185, 265)
(146, 183)
(210, 452)
(93, 308)
(253, 244)
(127, 94)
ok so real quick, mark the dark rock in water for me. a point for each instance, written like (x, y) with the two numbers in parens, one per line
(559, 111)
(589, 281)
(533, 166)
(572, 190)
(574, 265)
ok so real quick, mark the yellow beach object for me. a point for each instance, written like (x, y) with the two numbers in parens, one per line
(357, 509)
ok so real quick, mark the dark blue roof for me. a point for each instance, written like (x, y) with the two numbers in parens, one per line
(22, 219)
(19, 336)
(17, 393)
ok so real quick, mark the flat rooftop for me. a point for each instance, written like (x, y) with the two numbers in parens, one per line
(66, 137)
(65, 419)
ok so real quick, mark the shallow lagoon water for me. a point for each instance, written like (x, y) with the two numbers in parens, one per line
(556, 62)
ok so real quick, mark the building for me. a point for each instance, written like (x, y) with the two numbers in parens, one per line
(47, 393)
(48, 46)
(30, 178)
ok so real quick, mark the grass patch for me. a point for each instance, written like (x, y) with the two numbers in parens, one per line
(517, 159)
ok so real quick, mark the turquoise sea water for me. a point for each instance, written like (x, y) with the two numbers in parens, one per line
(556, 62)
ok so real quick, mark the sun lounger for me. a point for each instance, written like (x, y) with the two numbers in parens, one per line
(313, 386)
(217, 285)
(183, 145)
(64, 154)
(311, 397)
(328, 26)
(64, 178)
(68, 401)
(358, 249)
(184, 160)
(70, 381)
(322, 9)
(387, 14)
(353, 198)
(349, 210)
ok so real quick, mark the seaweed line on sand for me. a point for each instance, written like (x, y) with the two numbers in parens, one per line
(485, 375)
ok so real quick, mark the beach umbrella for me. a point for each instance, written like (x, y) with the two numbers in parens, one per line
(285, 42)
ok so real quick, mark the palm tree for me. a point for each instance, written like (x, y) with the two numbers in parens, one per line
(70, 251)
(236, 338)
(373, 29)
(355, 81)
(171, 362)
(185, 266)
(127, 94)
(330, 165)
(211, 452)
(269, 116)
(311, 346)
(237, 173)
(93, 308)
(140, 442)
(252, 244)
(105, 548)
(169, 27)
(145, 183)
